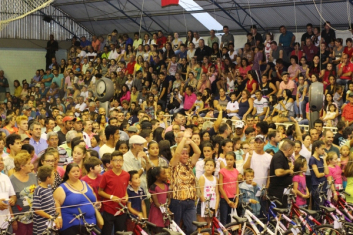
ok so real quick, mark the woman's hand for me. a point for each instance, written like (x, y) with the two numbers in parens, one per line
(188, 133)
(231, 204)
(58, 222)
(97, 205)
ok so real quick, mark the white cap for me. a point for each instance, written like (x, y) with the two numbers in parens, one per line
(239, 124)
(136, 139)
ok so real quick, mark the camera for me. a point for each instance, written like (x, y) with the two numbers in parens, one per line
(175, 93)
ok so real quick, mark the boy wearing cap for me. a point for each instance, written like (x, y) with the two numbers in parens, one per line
(239, 130)
(67, 126)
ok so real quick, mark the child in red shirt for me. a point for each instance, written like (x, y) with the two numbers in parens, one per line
(93, 177)
(113, 188)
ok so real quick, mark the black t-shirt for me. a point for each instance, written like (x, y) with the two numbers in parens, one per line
(305, 36)
(336, 139)
(157, 67)
(62, 138)
(328, 36)
(165, 85)
(258, 37)
(324, 57)
(200, 53)
(279, 161)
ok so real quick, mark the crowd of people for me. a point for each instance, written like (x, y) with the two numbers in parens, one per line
(62, 151)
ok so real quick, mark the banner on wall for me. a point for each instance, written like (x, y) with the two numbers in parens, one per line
(169, 2)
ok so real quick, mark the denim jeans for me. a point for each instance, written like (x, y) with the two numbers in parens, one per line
(304, 122)
(316, 197)
(301, 109)
(343, 82)
(225, 211)
(186, 211)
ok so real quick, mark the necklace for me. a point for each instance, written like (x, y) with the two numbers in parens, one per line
(73, 188)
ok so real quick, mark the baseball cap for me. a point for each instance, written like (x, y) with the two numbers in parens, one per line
(285, 73)
(136, 139)
(24, 136)
(132, 129)
(78, 120)
(260, 137)
(239, 124)
(146, 125)
(69, 118)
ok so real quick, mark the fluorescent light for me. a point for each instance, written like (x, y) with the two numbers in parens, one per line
(190, 5)
(204, 18)
(208, 21)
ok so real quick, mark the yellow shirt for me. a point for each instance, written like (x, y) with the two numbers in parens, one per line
(18, 91)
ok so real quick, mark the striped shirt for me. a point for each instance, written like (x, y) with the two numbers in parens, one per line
(42, 200)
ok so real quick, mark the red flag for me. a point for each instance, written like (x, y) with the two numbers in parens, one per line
(169, 2)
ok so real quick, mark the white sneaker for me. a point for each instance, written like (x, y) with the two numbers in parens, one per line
(299, 119)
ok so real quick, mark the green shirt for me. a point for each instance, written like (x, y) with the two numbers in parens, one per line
(211, 41)
(6, 84)
(46, 76)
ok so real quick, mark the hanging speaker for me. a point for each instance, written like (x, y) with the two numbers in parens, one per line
(104, 89)
(316, 101)
(47, 19)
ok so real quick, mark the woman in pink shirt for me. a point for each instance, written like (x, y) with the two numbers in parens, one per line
(294, 69)
(125, 94)
(244, 68)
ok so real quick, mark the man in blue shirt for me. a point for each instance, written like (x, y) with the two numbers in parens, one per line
(85, 43)
(286, 39)
(127, 40)
(274, 138)
(38, 143)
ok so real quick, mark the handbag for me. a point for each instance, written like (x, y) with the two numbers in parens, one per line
(99, 218)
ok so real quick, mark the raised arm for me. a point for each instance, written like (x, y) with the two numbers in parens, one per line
(185, 140)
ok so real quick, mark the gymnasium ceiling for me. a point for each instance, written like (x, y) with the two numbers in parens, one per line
(103, 16)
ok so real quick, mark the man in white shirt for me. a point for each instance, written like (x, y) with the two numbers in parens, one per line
(80, 106)
(85, 65)
(259, 161)
(115, 53)
(87, 131)
(260, 105)
(112, 135)
(81, 54)
(196, 39)
(7, 196)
